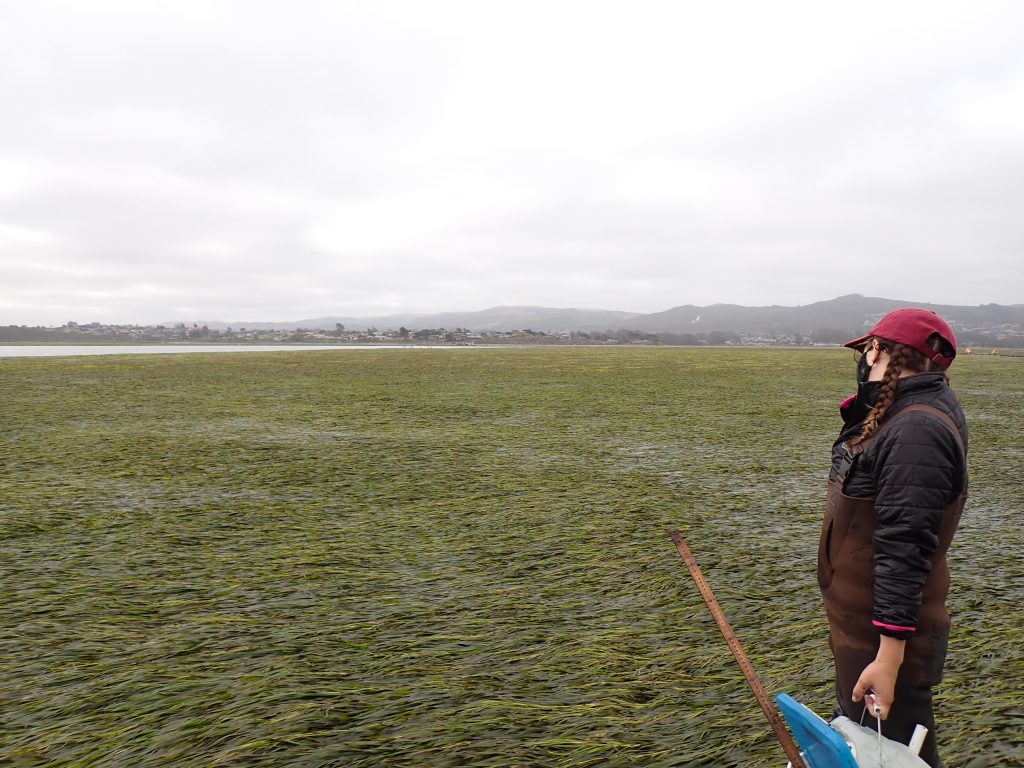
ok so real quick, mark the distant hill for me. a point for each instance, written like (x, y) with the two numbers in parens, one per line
(843, 316)
(851, 312)
(494, 319)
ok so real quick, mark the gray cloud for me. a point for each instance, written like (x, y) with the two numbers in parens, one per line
(271, 160)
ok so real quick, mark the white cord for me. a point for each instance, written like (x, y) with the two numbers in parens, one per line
(877, 711)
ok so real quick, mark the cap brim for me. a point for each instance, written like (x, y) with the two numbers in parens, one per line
(858, 343)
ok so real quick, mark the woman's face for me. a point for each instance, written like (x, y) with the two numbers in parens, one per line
(873, 361)
(876, 356)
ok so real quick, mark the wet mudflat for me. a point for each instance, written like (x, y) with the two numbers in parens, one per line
(426, 559)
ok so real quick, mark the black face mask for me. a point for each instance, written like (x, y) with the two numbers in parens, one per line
(856, 410)
(867, 392)
(863, 369)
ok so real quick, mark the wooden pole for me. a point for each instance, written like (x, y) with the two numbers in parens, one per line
(788, 745)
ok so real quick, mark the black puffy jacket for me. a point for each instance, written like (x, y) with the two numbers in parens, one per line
(914, 470)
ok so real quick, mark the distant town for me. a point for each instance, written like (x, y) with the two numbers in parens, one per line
(183, 333)
(825, 324)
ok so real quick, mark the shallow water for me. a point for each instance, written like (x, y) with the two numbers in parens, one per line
(65, 350)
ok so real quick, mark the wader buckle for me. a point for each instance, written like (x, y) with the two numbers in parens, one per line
(841, 470)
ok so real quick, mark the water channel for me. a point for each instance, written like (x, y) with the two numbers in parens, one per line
(65, 350)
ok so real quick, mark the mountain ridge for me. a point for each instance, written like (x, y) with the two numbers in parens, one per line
(843, 314)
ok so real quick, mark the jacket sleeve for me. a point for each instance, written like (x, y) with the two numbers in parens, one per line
(916, 477)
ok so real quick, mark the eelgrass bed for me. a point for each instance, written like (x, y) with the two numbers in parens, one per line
(452, 557)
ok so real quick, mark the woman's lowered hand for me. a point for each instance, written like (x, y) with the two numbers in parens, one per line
(878, 680)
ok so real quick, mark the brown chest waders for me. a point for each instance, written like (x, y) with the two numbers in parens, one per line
(846, 559)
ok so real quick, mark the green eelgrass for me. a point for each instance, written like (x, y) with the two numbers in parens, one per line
(451, 557)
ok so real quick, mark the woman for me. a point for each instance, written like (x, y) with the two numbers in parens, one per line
(896, 491)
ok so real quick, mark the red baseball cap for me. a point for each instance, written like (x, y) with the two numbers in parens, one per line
(913, 327)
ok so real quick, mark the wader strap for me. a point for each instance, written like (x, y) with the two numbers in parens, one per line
(942, 416)
(850, 453)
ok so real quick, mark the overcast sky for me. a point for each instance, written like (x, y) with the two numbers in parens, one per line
(287, 160)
